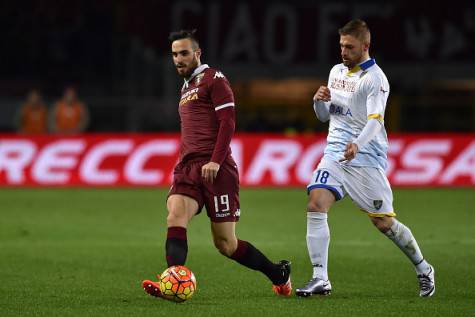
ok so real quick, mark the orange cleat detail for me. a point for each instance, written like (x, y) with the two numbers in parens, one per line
(152, 288)
(283, 289)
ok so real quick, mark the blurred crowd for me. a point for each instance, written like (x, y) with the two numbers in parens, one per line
(68, 115)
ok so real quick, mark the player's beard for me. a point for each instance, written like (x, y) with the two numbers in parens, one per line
(352, 62)
(192, 66)
(347, 63)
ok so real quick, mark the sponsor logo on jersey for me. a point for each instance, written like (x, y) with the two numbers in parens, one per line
(344, 85)
(338, 110)
(189, 92)
(222, 215)
(218, 75)
(188, 96)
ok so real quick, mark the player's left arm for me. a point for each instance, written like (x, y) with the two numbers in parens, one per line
(378, 92)
(223, 102)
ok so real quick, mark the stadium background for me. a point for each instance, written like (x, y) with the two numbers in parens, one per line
(64, 245)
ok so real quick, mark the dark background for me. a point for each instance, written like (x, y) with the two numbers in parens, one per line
(275, 54)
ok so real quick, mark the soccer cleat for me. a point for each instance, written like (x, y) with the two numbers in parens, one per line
(286, 288)
(152, 288)
(427, 283)
(315, 286)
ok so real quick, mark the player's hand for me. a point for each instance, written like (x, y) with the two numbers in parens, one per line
(350, 152)
(322, 94)
(209, 171)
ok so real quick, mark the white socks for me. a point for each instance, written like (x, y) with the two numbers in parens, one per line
(318, 240)
(403, 238)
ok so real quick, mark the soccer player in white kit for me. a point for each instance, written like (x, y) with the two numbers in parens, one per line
(355, 159)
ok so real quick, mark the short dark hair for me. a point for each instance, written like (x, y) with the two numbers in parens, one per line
(357, 28)
(185, 34)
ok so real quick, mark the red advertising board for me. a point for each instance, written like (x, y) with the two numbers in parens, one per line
(263, 159)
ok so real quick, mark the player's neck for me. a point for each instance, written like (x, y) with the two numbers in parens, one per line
(364, 58)
(193, 71)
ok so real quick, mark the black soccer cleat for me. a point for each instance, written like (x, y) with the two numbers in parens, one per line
(284, 289)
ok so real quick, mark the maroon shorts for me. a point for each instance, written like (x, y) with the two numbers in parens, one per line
(221, 198)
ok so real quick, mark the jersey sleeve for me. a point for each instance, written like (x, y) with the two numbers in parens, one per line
(372, 127)
(226, 121)
(220, 92)
(378, 91)
(322, 108)
(222, 99)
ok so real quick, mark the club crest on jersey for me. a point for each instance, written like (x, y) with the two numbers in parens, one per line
(199, 78)
(363, 73)
(377, 204)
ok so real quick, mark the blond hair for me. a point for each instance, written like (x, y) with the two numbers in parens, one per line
(358, 29)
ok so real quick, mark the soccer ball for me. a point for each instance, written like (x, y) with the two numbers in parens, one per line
(177, 283)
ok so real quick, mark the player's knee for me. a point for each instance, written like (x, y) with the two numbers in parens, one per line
(317, 205)
(176, 217)
(225, 246)
(383, 224)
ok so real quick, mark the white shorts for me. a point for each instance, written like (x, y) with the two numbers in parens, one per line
(368, 187)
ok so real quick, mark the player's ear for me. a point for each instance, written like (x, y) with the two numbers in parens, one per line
(198, 53)
(366, 47)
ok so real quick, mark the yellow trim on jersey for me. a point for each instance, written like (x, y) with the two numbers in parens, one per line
(380, 215)
(377, 215)
(355, 69)
(376, 116)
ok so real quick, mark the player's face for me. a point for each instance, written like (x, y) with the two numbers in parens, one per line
(352, 50)
(185, 58)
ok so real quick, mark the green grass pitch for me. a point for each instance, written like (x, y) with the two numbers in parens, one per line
(84, 252)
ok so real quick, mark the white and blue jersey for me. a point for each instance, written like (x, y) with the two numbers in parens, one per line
(357, 95)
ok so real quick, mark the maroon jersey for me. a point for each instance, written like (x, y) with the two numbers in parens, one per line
(206, 111)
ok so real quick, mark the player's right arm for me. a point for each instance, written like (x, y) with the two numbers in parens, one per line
(322, 100)
(321, 103)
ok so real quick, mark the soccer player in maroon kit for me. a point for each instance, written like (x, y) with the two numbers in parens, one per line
(207, 174)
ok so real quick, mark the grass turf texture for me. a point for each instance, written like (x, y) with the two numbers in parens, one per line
(84, 252)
